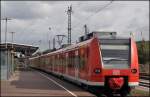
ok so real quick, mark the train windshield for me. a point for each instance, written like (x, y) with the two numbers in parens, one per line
(115, 53)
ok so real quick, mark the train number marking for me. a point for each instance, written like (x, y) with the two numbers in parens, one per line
(116, 72)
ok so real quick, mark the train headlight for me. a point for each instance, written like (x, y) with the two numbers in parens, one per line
(133, 70)
(97, 70)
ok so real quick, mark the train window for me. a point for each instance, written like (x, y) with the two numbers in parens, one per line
(115, 53)
(47, 60)
(66, 60)
(43, 61)
(50, 60)
(63, 60)
(81, 62)
(71, 59)
(76, 60)
(59, 60)
(83, 58)
(53, 60)
(56, 60)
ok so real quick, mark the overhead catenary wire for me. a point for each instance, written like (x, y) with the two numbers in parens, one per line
(89, 17)
(77, 6)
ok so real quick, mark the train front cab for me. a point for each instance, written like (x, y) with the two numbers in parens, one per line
(118, 65)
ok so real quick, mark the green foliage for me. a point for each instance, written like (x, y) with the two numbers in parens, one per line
(139, 93)
(143, 51)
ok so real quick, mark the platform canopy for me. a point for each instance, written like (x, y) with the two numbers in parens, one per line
(23, 48)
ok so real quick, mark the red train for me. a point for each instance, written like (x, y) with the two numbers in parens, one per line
(99, 61)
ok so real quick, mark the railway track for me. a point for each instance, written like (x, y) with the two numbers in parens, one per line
(145, 77)
(144, 84)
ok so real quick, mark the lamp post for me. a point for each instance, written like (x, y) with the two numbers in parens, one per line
(12, 33)
(6, 19)
(6, 59)
(12, 52)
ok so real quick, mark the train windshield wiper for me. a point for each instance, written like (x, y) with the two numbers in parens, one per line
(114, 59)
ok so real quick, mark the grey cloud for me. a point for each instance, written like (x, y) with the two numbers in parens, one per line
(33, 18)
(24, 10)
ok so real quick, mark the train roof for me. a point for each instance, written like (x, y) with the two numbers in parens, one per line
(73, 46)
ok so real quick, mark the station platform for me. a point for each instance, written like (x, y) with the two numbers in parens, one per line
(35, 83)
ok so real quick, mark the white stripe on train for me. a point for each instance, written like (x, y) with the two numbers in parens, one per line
(79, 81)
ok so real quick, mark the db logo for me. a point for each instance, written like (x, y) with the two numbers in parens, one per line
(116, 72)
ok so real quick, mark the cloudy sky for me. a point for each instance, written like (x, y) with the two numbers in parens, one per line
(31, 19)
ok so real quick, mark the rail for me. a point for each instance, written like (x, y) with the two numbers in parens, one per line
(146, 77)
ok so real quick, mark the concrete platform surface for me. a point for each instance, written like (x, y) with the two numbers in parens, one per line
(34, 83)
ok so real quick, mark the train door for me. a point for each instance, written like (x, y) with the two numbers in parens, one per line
(53, 60)
(76, 64)
(66, 60)
(58, 57)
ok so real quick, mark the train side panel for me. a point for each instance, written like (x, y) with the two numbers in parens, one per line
(134, 71)
(95, 63)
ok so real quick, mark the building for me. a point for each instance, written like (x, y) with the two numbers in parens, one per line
(8, 56)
